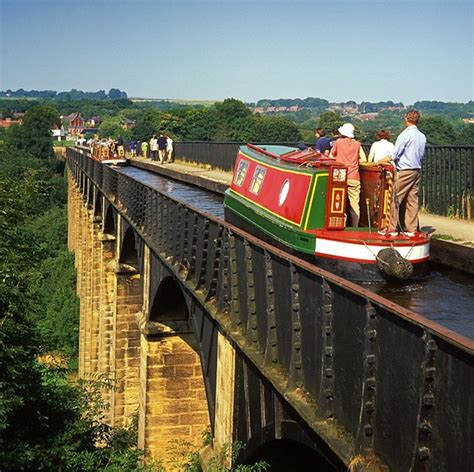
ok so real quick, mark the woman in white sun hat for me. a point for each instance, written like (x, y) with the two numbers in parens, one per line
(348, 151)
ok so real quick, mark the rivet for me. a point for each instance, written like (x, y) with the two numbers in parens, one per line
(423, 453)
(430, 373)
(328, 351)
(372, 334)
(425, 427)
(370, 359)
(428, 400)
(369, 407)
(368, 430)
(329, 373)
(371, 383)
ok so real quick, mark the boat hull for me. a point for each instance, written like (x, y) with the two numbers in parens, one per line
(361, 272)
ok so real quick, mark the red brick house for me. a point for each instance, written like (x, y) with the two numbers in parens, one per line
(74, 124)
(7, 122)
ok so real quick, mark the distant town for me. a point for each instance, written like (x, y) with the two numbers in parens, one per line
(113, 112)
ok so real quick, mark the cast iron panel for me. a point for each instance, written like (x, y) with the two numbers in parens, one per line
(312, 325)
(348, 331)
(282, 284)
(399, 382)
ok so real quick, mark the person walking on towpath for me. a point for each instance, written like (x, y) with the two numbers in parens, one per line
(348, 151)
(169, 149)
(133, 147)
(162, 148)
(144, 149)
(154, 148)
(407, 156)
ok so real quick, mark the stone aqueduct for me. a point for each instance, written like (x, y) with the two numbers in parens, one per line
(204, 328)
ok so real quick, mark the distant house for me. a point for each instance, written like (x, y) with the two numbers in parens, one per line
(7, 122)
(18, 115)
(468, 121)
(94, 122)
(73, 123)
(367, 116)
(127, 124)
(58, 134)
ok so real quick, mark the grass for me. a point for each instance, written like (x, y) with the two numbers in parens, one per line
(63, 143)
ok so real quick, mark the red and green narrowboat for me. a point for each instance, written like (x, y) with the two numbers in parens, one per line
(296, 199)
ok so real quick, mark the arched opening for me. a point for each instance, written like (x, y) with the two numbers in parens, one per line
(90, 194)
(98, 205)
(169, 303)
(109, 222)
(285, 455)
(129, 255)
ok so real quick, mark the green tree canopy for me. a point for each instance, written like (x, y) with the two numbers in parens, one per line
(438, 130)
(466, 136)
(330, 120)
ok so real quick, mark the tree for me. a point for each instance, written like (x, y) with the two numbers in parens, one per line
(466, 136)
(34, 135)
(276, 129)
(438, 130)
(111, 127)
(330, 120)
(147, 125)
(46, 422)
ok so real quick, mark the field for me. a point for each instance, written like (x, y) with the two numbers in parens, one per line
(179, 101)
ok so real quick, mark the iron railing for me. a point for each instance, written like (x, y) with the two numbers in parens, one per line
(361, 372)
(447, 186)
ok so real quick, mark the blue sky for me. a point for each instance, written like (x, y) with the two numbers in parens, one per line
(339, 50)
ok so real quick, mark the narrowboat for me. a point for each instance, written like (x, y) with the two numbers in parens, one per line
(103, 153)
(296, 199)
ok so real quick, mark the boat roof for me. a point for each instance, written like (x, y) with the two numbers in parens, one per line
(288, 154)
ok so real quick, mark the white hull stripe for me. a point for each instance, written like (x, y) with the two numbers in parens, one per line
(367, 253)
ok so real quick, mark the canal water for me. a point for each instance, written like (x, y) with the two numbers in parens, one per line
(445, 296)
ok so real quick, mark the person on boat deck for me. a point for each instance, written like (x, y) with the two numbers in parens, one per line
(335, 136)
(322, 143)
(349, 152)
(381, 149)
(407, 156)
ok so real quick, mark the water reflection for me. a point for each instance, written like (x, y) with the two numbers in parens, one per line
(197, 198)
(445, 296)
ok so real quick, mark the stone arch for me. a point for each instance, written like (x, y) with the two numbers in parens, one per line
(98, 204)
(90, 194)
(128, 253)
(169, 303)
(110, 225)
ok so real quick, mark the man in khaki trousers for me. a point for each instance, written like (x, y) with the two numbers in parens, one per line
(407, 156)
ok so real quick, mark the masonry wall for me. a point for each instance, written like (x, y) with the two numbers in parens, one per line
(159, 378)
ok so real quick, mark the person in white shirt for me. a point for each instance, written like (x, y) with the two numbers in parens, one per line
(381, 149)
(154, 148)
(169, 149)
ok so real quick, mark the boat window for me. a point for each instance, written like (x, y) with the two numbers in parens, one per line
(241, 173)
(285, 188)
(257, 180)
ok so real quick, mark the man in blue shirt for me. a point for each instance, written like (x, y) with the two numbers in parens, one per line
(322, 143)
(407, 156)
